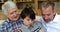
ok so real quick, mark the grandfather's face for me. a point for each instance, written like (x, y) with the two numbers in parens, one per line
(13, 14)
(47, 14)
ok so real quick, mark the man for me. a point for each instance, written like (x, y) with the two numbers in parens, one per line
(50, 19)
(12, 23)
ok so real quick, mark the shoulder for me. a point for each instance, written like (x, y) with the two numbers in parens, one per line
(38, 24)
(4, 24)
(58, 16)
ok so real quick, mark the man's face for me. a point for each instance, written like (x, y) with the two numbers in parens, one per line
(47, 14)
(13, 14)
(27, 21)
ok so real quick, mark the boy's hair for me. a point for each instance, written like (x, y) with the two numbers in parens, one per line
(28, 11)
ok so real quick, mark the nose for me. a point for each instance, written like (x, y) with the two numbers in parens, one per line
(46, 17)
(14, 14)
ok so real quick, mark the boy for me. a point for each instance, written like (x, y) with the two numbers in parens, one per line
(28, 23)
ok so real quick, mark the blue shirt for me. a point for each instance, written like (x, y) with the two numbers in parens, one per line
(8, 26)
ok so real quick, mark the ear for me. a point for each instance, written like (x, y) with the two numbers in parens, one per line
(54, 11)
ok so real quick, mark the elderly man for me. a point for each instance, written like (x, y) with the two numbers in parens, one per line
(12, 23)
(50, 19)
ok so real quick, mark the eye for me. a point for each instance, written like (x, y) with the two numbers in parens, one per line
(48, 14)
(15, 10)
(29, 20)
(43, 15)
(11, 13)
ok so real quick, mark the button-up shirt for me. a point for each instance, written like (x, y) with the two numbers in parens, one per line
(8, 26)
(52, 26)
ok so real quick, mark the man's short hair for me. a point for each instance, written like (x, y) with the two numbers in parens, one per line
(46, 4)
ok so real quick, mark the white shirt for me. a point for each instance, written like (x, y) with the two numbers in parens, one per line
(52, 26)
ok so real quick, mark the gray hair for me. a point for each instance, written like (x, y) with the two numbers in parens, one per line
(47, 4)
(7, 5)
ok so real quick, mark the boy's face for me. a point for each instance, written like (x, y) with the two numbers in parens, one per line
(27, 21)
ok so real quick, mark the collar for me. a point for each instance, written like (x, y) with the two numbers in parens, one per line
(56, 19)
(9, 21)
(27, 26)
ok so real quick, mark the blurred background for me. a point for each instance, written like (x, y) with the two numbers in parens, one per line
(35, 4)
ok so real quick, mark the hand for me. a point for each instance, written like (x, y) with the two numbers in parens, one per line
(40, 31)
